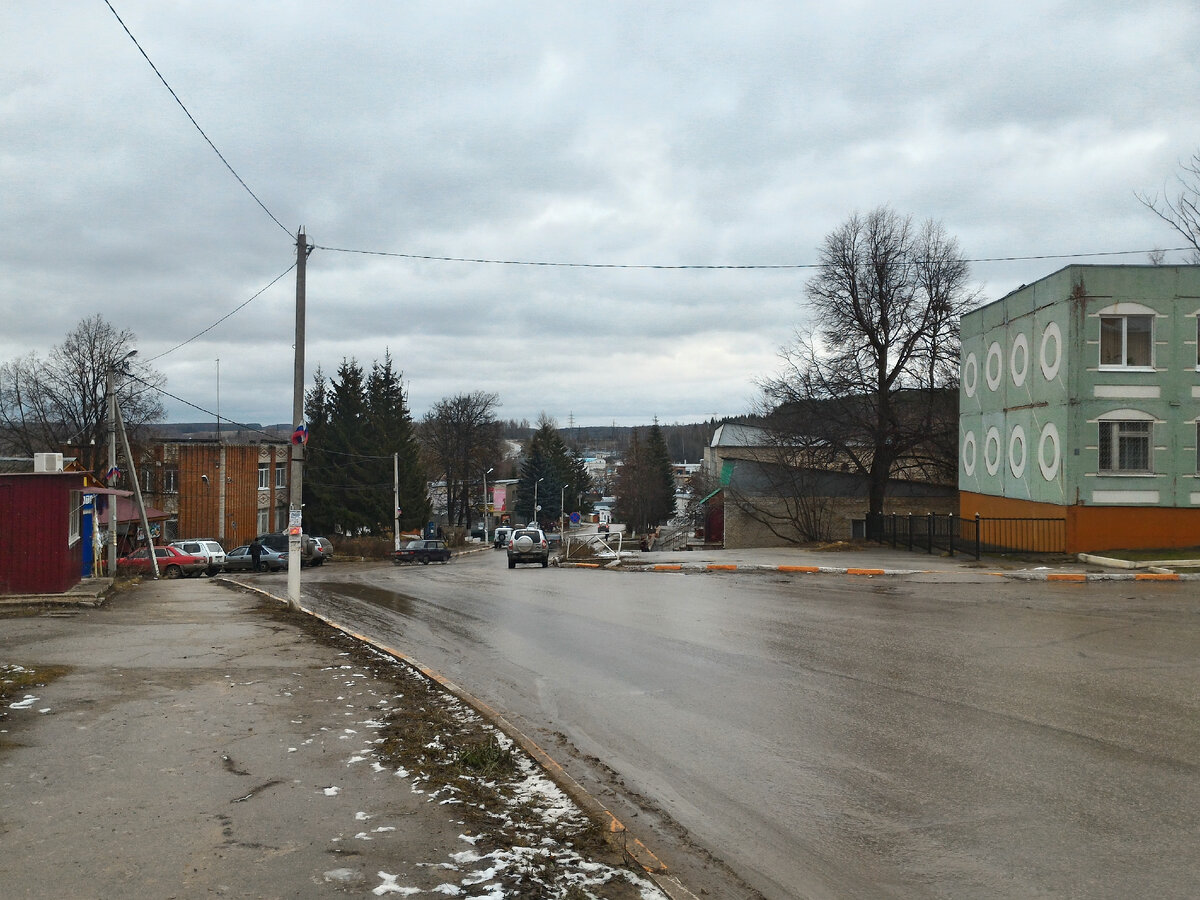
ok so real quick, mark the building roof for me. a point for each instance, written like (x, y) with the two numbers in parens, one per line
(735, 434)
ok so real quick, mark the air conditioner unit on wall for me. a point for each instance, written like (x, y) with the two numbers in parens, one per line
(47, 462)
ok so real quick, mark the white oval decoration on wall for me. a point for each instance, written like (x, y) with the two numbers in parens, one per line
(997, 356)
(970, 375)
(1020, 347)
(1050, 369)
(1016, 439)
(969, 453)
(1049, 436)
(991, 450)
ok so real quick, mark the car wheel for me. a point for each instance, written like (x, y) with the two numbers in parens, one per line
(212, 570)
(545, 562)
(512, 563)
(173, 572)
(424, 560)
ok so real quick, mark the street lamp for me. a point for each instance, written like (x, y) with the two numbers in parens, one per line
(535, 503)
(485, 504)
(562, 511)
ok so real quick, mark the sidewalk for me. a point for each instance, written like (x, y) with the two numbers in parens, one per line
(191, 740)
(876, 560)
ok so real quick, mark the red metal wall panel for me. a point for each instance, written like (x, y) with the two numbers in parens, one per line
(37, 555)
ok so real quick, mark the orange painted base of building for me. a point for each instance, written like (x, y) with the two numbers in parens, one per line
(1092, 528)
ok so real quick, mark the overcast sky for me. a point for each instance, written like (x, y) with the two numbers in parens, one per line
(672, 134)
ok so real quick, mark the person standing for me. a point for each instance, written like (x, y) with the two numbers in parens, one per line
(256, 554)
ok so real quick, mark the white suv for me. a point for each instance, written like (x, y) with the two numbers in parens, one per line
(212, 551)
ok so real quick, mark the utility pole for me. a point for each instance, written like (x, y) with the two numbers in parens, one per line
(111, 395)
(296, 492)
(396, 498)
(110, 389)
(137, 493)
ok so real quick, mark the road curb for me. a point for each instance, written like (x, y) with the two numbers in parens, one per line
(617, 834)
(1060, 577)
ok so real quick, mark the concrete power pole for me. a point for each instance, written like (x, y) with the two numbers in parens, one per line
(296, 491)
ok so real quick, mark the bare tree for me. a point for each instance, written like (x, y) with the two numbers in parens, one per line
(59, 403)
(871, 379)
(461, 437)
(1182, 210)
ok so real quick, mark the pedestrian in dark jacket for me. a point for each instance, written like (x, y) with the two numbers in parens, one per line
(256, 554)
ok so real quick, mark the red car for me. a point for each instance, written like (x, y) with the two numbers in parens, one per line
(172, 562)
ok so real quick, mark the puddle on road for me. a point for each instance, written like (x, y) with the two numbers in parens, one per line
(401, 603)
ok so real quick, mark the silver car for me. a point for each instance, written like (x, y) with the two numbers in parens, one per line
(240, 560)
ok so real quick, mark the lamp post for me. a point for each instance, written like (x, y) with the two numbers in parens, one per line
(485, 504)
(535, 503)
(562, 511)
(111, 392)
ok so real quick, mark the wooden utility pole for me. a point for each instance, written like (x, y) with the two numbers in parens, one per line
(296, 491)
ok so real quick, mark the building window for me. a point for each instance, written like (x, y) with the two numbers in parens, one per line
(148, 480)
(73, 524)
(170, 481)
(264, 476)
(1125, 447)
(281, 518)
(1126, 341)
(280, 475)
(264, 521)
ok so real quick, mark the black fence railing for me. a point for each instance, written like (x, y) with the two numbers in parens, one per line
(971, 535)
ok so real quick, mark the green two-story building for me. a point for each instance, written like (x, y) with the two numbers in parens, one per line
(1080, 399)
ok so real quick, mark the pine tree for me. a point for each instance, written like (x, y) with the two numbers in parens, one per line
(394, 444)
(659, 478)
(563, 478)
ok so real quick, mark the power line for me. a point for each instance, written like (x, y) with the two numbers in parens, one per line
(194, 122)
(242, 426)
(585, 265)
(224, 317)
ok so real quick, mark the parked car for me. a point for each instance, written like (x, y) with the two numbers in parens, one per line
(172, 562)
(423, 552)
(278, 541)
(322, 550)
(500, 539)
(528, 545)
(210, 550)
(270, 560)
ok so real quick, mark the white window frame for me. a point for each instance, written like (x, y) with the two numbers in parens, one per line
(263, 523)
(170, 481)
(1113, 430)
(1123, 313)
(74, 518)
(264, 476)
(280, 476)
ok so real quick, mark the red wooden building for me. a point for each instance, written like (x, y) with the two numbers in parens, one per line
(41, 544)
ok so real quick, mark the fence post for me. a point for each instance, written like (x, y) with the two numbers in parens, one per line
(910, 533)
(929, 534)
(951, 534)
(977, 543)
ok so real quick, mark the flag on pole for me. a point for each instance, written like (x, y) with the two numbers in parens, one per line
(300, 435)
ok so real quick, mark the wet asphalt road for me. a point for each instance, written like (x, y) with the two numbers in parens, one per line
(833, 736)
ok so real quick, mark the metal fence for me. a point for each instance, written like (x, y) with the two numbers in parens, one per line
(974, 535)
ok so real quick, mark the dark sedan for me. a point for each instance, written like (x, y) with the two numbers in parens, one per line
(423, 552)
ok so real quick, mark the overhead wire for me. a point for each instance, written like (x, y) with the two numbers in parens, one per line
(224, 317)
(594, 265)
(240, 425)
(192, 119)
